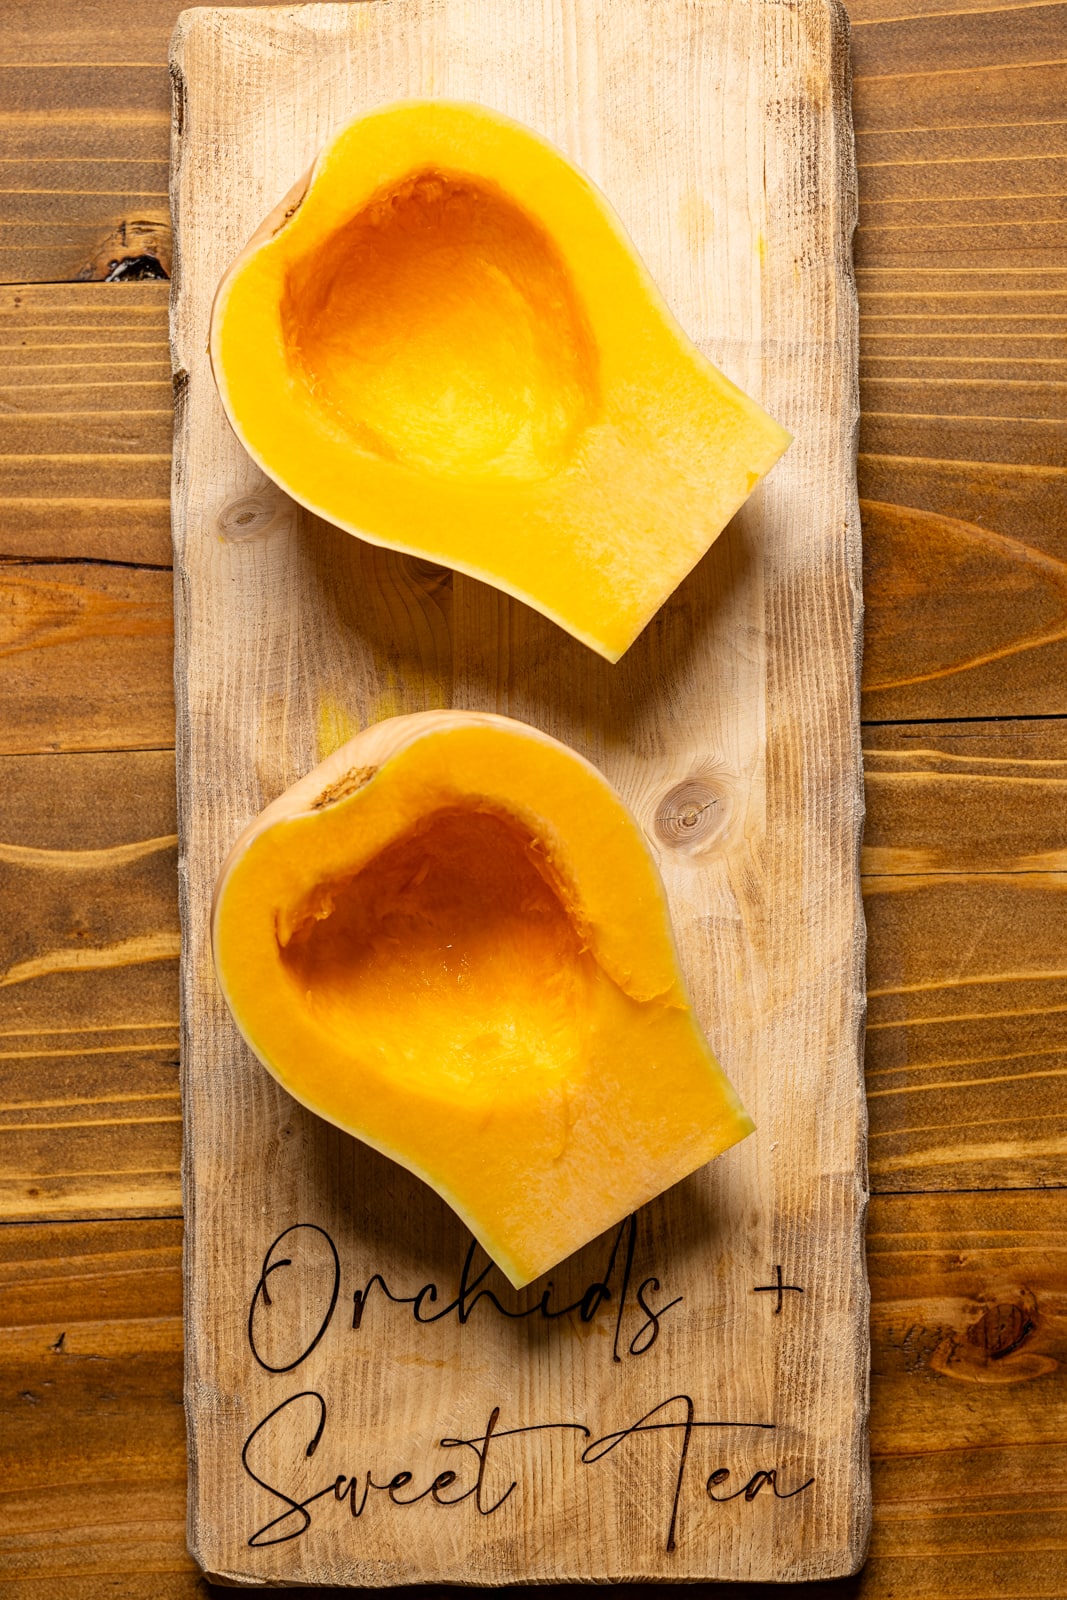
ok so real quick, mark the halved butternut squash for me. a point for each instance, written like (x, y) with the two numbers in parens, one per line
(442, 340)
(451, 940)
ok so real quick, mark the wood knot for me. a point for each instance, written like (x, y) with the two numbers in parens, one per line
(137, 249)
(247, 518)
(995, 1347)
(1002, 1328)
(428, 576)
(692, 815)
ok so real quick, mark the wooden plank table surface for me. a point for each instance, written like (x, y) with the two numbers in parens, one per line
(961, 259)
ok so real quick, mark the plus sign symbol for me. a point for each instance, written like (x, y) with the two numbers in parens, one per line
(778, 1289)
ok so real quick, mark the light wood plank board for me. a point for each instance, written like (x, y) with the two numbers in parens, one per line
(593, 1445)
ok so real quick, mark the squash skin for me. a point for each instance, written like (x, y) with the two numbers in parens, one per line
(629, 451)
(544, 1152)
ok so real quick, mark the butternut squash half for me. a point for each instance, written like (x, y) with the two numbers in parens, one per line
(443, 341)
(451, 940)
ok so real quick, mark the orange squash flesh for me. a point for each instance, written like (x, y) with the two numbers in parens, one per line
(443, 341)
(451, 940)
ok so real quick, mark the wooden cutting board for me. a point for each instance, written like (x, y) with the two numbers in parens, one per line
(366, 1402)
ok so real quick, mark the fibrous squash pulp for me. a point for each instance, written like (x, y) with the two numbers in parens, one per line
(451, 940)
(443, 341)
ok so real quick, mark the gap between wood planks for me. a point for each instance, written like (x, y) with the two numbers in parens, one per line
(84, 561)
(941, 872)
(179, 1216)
(922, 722)
(892, 722)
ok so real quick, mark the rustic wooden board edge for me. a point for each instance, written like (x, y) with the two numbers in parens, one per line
(841, 1562)
(848, 289)
(180, 379)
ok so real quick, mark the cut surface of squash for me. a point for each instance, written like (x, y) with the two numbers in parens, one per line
(451, 940)
(441, 330)
(442, 340)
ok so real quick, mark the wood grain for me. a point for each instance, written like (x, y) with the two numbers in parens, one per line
(965, 1030)
(101, 634)
(969, 1363)
(85, 613)
(92, 1438)
(743, 687)
(85, 86)
(89, 1121)
(968, 1352)
(1008, 616)
(85, 419)
(965, 798)
(981, 1522)
(967, 982)
(962, 171)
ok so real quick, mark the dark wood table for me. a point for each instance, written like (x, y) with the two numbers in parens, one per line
(962, 264)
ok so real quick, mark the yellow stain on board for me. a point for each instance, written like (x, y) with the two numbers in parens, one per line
(696, 219)
(417, 690)
(397, 696)
(334, 725)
